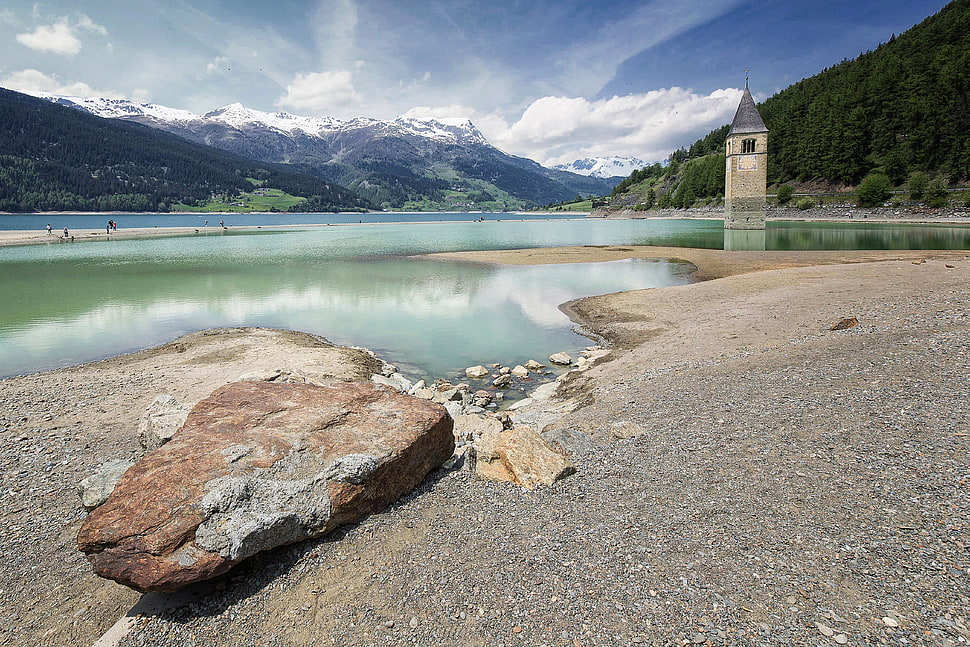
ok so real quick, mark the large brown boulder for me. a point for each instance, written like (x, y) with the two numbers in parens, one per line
(258, 465)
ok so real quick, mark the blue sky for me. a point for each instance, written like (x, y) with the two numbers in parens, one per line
(554, 80)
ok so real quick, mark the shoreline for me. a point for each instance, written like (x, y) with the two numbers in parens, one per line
(847, 215)
(15, 237)
(749, 449)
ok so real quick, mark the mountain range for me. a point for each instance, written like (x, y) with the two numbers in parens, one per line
(604, 167)
(54, 158)
(400, 163)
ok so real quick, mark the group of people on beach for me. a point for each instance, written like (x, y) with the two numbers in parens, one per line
(111, 226)
(67, 234)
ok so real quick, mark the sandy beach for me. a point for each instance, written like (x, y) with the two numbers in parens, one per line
(755, 479)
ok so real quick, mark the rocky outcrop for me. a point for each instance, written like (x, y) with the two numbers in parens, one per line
(257, 465)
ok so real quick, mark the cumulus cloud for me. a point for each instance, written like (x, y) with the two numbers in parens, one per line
(555, 130)
(32, 81)
(60, 37)
(320, 92)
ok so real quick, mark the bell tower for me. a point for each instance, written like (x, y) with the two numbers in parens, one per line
(746, 174)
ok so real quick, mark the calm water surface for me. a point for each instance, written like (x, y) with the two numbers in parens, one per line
(68, 303)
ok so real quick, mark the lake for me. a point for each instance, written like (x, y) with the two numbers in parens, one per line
(356, 285)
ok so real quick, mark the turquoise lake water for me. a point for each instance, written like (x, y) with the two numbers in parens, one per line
(66, 303)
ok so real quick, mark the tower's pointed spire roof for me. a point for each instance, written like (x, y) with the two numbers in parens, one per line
(747, 119)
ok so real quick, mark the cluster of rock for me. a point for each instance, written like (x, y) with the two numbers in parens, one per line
(519, 444)
(281, 456)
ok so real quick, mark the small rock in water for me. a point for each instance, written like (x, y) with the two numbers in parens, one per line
(562, 359)
(502, 381)
(520, 371)
(476, 372)
(533, 365)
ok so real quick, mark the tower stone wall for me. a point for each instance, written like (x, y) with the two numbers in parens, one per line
(746, 168)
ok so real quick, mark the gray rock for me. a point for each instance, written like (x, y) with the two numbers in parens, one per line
(95, 489)
(163, 417)
(569, 441)
(502, 381)
(396, 381)
(469, 427)
(454, 408)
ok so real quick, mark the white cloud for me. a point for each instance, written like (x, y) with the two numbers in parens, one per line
(8, 17)
(58, 38)
(556, 130)
(86, 23)
(31, 81)
(319, 92)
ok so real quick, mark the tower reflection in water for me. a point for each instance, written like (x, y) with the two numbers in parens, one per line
(744, 240)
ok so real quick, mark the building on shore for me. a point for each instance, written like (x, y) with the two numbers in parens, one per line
(746, 174)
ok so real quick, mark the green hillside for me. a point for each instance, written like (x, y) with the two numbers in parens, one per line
(900, 110)
(54, 158)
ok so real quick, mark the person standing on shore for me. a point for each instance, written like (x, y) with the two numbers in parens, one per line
(49, 232)
(107, 228)
(65, 233)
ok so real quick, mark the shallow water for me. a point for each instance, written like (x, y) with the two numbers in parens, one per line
(68, 303)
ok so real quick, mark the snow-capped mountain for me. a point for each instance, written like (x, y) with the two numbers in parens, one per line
(459, 131)
(389, 162)
(604, 167)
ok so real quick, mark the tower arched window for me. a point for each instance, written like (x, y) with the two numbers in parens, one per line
(747, 146)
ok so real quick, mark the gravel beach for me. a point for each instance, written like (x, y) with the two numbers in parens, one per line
(755, 479)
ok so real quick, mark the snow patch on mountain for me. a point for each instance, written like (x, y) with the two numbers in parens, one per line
(604, 167)
(119, 108)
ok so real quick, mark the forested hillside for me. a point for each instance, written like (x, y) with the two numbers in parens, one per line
(901, 109)
(54, 158)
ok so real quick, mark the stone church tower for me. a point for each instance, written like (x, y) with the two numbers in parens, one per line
(745, 179)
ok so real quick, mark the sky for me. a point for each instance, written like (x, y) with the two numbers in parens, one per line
(552, 80)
